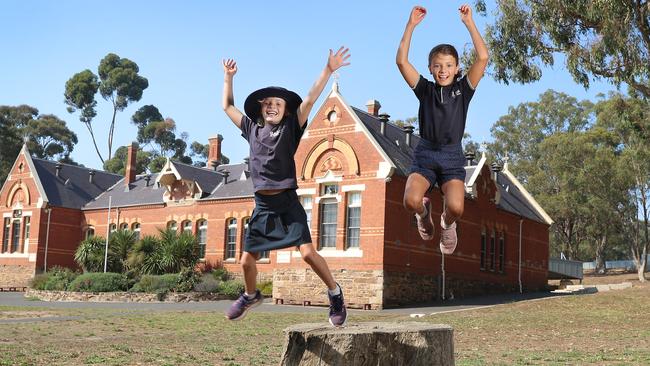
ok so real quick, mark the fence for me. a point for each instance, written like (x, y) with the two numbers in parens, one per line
(627, 265)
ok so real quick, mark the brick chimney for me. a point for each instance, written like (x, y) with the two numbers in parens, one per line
(214, 150)
(129, 176)
(373, 107)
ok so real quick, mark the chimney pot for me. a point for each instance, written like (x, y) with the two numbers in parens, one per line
(383, 118)
(409, 133)
(91, 175)
(247, 161)
(496, 168)
(469, 156)
(225, 176)
(147, 179)
(58, 168)
(373, 107)
(215, 164)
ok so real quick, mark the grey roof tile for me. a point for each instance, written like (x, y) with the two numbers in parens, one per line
(72, 188)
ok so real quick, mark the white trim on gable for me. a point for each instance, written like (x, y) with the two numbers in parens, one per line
(386, 171)
(32, 170)
(528, 196)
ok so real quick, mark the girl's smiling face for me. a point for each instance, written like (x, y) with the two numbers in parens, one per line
(443, 68)
(272, 109)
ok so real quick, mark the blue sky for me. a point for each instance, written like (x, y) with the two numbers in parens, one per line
(179, 46)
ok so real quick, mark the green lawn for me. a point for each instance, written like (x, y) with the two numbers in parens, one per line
(611, 328)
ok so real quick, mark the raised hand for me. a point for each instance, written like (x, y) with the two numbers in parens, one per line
(229, 67)
(417, 14)
(465, 13)
(338, 59)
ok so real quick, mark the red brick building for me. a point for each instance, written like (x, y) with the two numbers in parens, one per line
(352, 167)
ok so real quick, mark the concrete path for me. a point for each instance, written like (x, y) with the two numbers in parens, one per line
(17, 299)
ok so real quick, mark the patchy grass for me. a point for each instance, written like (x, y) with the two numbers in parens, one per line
(605, 328)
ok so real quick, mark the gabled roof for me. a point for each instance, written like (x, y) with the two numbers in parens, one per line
(514, 197)
(139, 193)
(72, 188)
(239, 183)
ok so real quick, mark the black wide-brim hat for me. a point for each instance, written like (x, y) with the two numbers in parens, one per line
(252, 103)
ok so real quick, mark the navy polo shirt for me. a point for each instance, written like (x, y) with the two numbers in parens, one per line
(271, 150)
(443, 110)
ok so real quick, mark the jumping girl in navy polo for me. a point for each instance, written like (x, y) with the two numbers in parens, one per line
(438, 158)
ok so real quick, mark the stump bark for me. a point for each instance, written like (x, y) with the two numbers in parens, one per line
(376, 344)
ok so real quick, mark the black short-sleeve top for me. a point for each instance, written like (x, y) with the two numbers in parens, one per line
(271, 151)
(443, 110)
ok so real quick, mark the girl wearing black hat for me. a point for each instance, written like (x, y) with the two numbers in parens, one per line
(274, 122)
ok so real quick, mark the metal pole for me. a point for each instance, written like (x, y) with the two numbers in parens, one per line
(443, 276)
(521, 221)
(47, 236)
(108, 229)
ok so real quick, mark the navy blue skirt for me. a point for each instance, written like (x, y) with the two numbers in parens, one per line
(278, 221)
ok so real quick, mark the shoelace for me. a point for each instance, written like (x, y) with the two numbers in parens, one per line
(337, 304)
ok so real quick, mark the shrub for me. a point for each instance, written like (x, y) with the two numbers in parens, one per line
(56, 279)
(221, 274)
(99, 282)
(39, 281)
(207, 284)
(188, 278)
(266, 288)
(157, 283)
(231, 288)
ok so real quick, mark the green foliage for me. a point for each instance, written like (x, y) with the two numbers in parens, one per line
(117, 164)
(99, 282)
(170, 253)
(188, 278)
(118, 82)
(90, 254)
(207, 283)
(601, 39)
(120, 245)
(266, 288)
(48, 137)
(221, 274)
(231, 288)
(157, 283)
(56, 279)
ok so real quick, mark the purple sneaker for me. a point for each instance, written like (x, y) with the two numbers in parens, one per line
(425, 223)
(448, 237)
(338, 313)
(240, 307)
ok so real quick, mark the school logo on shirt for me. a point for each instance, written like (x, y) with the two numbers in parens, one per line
(455, 93)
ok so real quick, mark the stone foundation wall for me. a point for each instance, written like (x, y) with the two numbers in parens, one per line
(261, 276)
(409, 288)
(15, 276)
(458, 288)
(299, 286)
(122, 296)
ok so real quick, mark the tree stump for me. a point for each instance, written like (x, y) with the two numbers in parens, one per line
(390, 344)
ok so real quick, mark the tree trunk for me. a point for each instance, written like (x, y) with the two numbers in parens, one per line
(365, 344)
(600, 260)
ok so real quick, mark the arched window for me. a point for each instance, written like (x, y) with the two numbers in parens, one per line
(112, 228)
(172, 225)
(483, 248)
(187, 226)
(5, 234)
(90, 232)
(328, 217)
(353, 223)
(502, 251)
(124, 226)
(136, 230)
(202, 236)
(15, 241)
(231, 238)
(493, 257)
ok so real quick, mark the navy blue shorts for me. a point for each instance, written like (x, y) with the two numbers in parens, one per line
(278, 221)
(439, 164)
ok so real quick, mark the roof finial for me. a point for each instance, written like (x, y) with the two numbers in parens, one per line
(483, 149)
(505, 161)
(335, 84)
